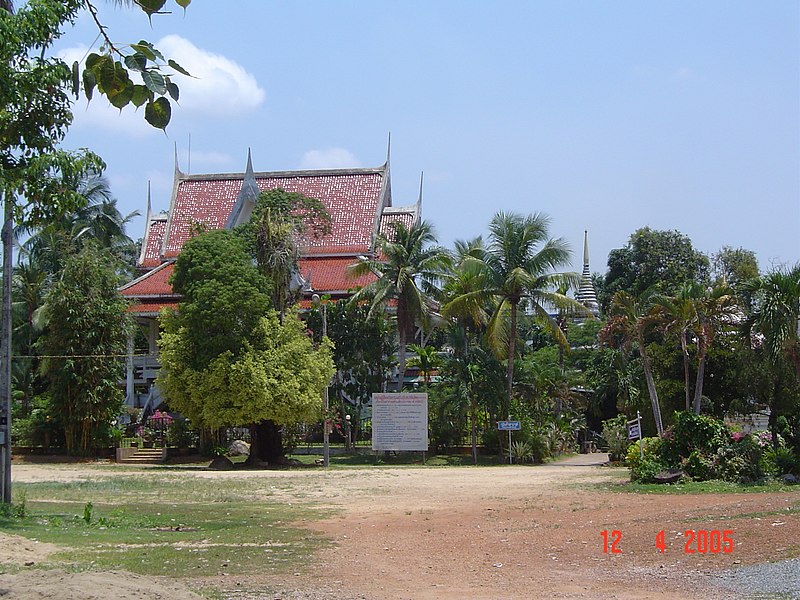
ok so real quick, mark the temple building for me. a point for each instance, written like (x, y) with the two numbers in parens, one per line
(359, 201)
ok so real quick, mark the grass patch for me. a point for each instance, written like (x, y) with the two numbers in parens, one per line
(400, 459)
(153, 526)
(700, 487)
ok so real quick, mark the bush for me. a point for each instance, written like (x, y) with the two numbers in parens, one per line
(540, 446)
(690, 433)
(698, 466)
(647, 464)
(739, 461)
(615, 432)
(783, 461)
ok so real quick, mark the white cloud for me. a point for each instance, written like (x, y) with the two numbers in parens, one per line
(330, 158)
(200, 162)
(218, 87)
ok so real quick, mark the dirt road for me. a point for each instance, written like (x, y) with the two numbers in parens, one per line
(510, 532)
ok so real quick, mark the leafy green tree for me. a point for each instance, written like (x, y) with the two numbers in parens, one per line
(83, 346)
(362, 347)
(653, 259)
(277, 376)
(516, 267)
(227, 360)
(733, 266)
(408, 269)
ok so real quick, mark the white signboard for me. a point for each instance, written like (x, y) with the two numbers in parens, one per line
(634, 430)
(400, 422)
(509, 425)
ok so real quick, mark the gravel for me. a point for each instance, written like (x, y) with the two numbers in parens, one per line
(773, 581)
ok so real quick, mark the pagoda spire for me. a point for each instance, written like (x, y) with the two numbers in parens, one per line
(586, 293)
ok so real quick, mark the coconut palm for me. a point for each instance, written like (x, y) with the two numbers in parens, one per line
(716, 308)
(776, 314)
(628, 323)
(517, 267)
(408, 269)
(678, 317)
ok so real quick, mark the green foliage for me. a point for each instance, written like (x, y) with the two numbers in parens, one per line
(738, 461)
(645, 464)
(277, 375)
(362, 347)
(224, 296)
(84, 343)
(662, 260)
(39, 427)
(520, 451)
(615, 432)
(691, 432)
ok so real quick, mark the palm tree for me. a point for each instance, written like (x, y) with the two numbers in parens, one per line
(776, 314)
(678, 317)
(517, 266)
(407, 269)
(628, 323)
(716, 308)
(98, 222)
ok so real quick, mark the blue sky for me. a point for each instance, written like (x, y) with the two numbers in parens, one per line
(606, 116)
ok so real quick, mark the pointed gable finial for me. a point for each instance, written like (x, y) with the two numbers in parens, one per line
(249, 169)
(178, 172)
(389, 150)
(149, 205)
(419, 198)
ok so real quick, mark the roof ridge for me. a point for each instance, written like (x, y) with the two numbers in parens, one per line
(285, 174)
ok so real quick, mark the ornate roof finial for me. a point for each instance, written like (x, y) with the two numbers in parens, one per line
(389, 150)
(419, 198)
(149, 207)
(178, 172)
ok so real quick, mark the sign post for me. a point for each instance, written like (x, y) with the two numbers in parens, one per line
(635, 431)
(509, 426)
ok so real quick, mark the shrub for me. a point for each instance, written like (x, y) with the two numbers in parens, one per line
(540, 446)
(615, 432)
(784, 460)
(690, 433)
(739, 461)
(698, 466)
(520, 451)
(647, 464)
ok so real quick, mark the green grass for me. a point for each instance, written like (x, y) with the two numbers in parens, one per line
(700, 487)
(407, 459)
(152, 526)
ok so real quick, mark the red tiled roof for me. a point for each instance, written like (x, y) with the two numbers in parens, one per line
(350, 197)
(330, 274)
(154, 284)
(387, 219)
(154, 238)
(151, 308)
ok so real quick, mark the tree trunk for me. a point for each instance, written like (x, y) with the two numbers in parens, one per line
(512, 351)
(685, 351)
(474, 428)
(266, 444)
(698, 386)
(651, 387)
(401, 351)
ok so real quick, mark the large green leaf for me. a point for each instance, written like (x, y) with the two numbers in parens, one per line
(178, 68)
(173, 90)
(141, 95)
(154, 82)
(158, 113)
(183, 3)
(136, 62)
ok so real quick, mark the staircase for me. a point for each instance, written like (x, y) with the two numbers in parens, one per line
(142, 456)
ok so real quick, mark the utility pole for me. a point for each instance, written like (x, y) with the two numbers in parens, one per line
(5, 350)
(326, 435)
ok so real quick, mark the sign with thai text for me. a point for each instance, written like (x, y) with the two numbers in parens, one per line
(400, 422)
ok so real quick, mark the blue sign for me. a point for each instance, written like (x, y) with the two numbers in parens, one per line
(509, 425)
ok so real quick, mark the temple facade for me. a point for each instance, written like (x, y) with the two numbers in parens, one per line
(358, 200)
